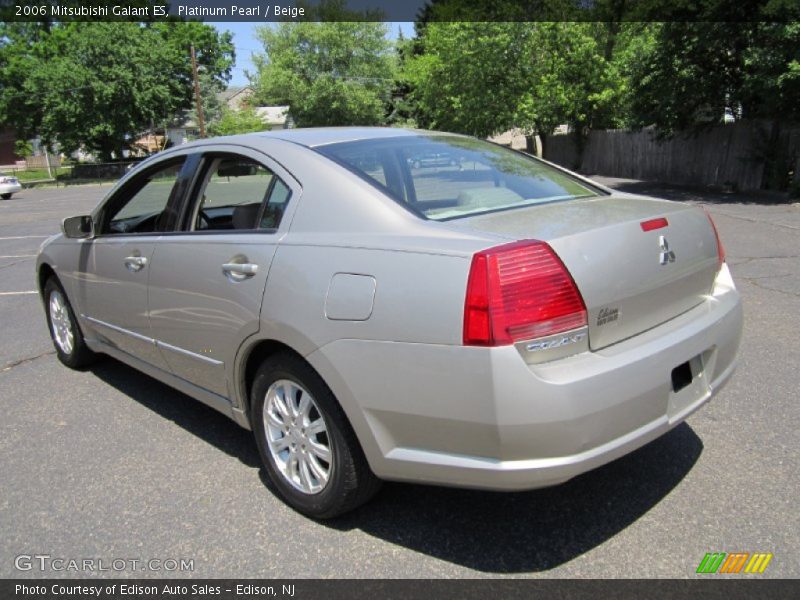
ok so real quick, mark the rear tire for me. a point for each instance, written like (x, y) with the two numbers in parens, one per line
(309, 449)
(67, 338)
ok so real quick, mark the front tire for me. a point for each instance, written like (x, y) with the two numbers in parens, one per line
(309, 449)
(67, 338)
(5, 196)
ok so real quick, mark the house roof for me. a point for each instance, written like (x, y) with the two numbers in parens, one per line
(228, 94)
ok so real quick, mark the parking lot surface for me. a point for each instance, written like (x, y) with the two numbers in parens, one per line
(108, 463)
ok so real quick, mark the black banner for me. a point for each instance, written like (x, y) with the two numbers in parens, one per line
(263, 11)
(405, 589)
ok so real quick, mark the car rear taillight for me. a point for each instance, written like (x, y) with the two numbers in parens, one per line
(720, 247)
(519, 291)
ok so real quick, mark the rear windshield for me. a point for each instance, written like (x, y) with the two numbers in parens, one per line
(447, 177)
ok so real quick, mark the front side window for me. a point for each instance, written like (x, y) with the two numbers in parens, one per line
(142, 205)
(237, 193)
(446, 177)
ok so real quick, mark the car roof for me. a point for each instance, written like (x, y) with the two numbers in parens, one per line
(310, 137)
(321, 136)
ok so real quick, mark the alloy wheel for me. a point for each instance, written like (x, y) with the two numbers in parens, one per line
(297, 436)
(60, 322)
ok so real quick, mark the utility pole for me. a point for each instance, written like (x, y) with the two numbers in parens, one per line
(198, 104)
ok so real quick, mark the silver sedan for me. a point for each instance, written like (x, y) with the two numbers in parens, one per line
(490, 322)
(8, 186)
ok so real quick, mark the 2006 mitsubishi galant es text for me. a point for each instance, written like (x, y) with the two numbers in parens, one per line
(494, 323)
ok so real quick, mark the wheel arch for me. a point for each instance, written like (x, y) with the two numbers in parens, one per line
(252, 358)
(259, 350)
(44, 273)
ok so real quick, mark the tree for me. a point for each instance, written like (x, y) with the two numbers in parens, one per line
(23, 148)
(484, 77)
(569, 80)
(401, 108)
(468, 77)
(331, 73)
(98, 85)
(232, 122)
(693, 74)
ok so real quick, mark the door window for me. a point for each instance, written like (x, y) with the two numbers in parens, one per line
(238, 193)
(142, 206)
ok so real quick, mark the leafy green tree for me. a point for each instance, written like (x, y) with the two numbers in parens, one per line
(329, 73)
(401, 109)
(98, 85)
(484, 77)
(468, 77)
(695, 73)
(569, 80)
(232, 122)
(23, 148)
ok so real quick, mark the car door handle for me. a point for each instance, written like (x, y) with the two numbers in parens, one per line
(240, 270)
(135, 263)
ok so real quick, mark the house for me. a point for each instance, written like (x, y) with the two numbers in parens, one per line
(148, 144)
(185, 129)
(8, 139)
(239, 97)
(275, 117)
(235, 97)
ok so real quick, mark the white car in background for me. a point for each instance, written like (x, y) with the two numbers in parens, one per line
(9, 185)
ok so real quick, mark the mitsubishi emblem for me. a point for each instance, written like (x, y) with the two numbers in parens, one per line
(667, 255)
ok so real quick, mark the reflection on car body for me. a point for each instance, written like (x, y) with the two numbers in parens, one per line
(434, 159)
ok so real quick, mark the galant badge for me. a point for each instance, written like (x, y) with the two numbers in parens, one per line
(667, 255)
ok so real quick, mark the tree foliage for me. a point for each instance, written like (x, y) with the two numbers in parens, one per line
(604, 64)
(694, 73)
(334, 73)
(484, 77)
(97, 85)
(232, 122)
(569, 79)
(468, 77)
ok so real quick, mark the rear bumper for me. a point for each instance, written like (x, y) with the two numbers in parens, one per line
(10, 188)
(482, 418)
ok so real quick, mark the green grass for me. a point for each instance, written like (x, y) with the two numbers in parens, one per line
(37, 174)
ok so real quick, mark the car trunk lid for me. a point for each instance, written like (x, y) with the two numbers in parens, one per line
(631, 279)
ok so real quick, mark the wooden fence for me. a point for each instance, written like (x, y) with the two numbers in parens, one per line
(745, 155)
(40, 162)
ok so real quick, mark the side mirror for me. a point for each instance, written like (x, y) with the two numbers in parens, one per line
(81, 227)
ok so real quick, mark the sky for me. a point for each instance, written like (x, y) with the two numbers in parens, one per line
(245, 42)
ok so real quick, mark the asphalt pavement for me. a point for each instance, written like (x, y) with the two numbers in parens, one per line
(110, 464)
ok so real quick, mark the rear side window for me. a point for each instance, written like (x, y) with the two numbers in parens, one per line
(446, 177)
(276, 205)
(237, 193)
